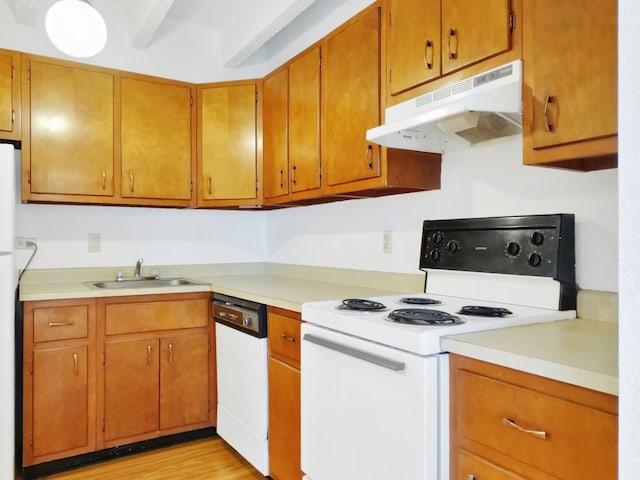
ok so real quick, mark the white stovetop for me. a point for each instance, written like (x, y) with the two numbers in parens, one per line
(422, 340)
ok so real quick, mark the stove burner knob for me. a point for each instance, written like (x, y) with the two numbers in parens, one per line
(513, 248)
(537, 238)
(534, 260)
(453, 246)
(435, 255)
(438, 237)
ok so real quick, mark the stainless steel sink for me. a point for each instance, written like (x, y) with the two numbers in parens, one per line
(143, 282)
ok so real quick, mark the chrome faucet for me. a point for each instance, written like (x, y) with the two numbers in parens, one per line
(136, 272)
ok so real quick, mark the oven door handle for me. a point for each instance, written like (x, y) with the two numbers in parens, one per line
(354, 352)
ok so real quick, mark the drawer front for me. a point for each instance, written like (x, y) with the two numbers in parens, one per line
(472, 467)
(284, 339)
(554, 435)
(155, 315)
(60, 323)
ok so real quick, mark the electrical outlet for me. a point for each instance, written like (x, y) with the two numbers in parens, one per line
(387, 241)
(93, 242)
(21, 243)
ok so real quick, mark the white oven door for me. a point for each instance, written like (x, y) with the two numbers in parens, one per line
(369, 412)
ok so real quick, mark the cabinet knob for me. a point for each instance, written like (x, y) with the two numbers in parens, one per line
(471, 476)
(428, 54)
(548, 126)
(453, 54)
(369, 156)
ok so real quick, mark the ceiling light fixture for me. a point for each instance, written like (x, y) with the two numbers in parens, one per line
(76, 28)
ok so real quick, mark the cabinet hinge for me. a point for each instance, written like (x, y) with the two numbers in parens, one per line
(190, 101)
(209, 346)
(191, 187)
(257, 185)
(13, 72)
(31, 438)
(320, 171)
(31, 366)
(320, 61)
(512, 22)
(29, 177)
(103, 424)
(104, 358)
(256, 97)
(209, 405)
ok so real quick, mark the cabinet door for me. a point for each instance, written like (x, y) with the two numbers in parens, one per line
(414, 43)
(571, 60)
(156, 140)
(71, 130)
(275, 134)
(284, 421)
(184, 380)
(351, 100)
(130, 388)
(304, 122)
(473, 31)
(60, 400)
(9, 95)
(228, 139)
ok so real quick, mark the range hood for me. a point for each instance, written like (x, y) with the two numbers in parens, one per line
(484, 107)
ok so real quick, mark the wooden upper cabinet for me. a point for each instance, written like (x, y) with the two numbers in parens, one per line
(275, 134)
(414, 43)
(292, 130)
(68, 139)
(227, 140)
(570, 55)
(156, 132)
(304, 123)
(473, 31)
(429, 39)
(10, 113)
(351, 100)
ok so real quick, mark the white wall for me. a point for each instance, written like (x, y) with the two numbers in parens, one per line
(162, 236)
(484, 181)
(629, 169)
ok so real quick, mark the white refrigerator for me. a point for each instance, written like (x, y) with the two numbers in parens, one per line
(8, 285)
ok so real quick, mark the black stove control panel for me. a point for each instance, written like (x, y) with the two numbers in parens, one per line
(536, 245)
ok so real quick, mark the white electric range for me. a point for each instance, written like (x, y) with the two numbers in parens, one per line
(374, 379)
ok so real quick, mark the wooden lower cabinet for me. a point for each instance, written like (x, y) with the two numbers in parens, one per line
(507, 424)
(58, 379)
(166, 340)
(284, 394)
(105, 372)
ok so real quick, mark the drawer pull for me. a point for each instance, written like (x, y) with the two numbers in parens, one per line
(287, 338)
(60, 324)
(548, 126)
(170, 353)
(471, 476)
(75, 363)
(541, 434)
(149, 352)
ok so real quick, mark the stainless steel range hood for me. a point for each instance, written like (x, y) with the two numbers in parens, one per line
(484, 107)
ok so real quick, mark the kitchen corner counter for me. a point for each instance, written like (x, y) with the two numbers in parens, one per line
(580, 351)
(278, 285)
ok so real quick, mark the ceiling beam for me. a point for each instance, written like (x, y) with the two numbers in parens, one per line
(146, 18)
(260, 31)
(25, 12)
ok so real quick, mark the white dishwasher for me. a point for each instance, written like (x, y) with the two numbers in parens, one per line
(241, 356)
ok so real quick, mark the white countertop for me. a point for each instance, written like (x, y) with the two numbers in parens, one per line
(580, 351)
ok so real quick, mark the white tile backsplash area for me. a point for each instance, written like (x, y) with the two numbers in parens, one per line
(486, 180)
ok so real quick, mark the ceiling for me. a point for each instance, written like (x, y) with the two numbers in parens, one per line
(260, 19)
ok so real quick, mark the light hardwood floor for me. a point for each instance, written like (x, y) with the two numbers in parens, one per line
(209, 459)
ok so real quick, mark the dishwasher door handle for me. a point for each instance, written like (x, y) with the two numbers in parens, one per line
(355, 352)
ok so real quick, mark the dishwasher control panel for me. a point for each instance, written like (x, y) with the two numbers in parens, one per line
(244, 315)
